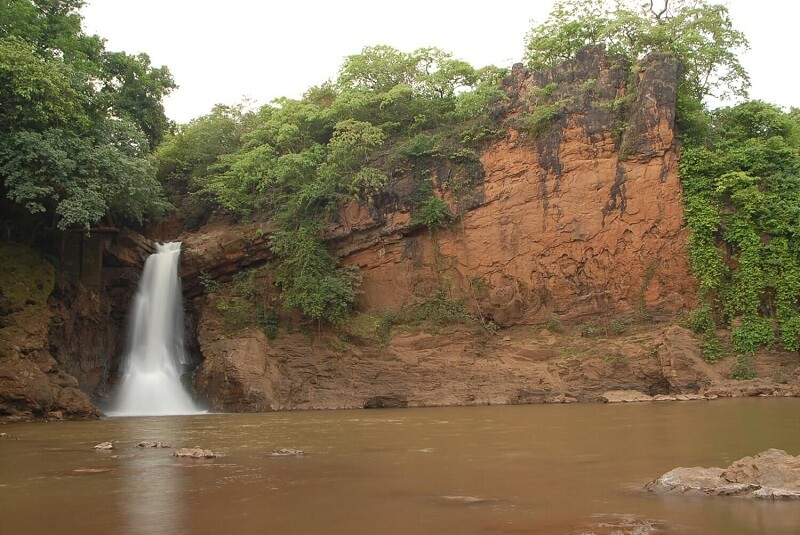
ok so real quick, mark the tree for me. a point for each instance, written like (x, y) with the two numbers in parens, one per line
(77, 123)
(699, 34)
(133, 89)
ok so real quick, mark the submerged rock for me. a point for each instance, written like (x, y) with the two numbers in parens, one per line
(625, 524)
(91, 470)
(104, 446)
(464, 500)
(195, 453)
(285, 452)
(151, 444)
(772, 474)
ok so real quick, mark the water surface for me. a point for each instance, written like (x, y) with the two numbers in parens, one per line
(483, 470)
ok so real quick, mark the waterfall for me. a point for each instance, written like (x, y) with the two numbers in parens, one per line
(151, 383)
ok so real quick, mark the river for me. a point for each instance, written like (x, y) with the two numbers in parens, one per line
(504, 470)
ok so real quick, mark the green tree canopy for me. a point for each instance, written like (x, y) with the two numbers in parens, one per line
(77, 122)
(296, 160)
(698, 33)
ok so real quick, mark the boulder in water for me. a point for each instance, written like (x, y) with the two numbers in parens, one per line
(195, 453)
(771, 474)
(104, 446)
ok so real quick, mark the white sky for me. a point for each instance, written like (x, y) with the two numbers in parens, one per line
(222, 52)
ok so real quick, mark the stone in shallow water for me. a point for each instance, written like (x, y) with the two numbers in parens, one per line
(771, 474)
(464, 500)
(285, 452)
(151, 444)
(104, 446)
(194, 453)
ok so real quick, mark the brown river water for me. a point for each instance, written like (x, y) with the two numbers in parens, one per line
(483, 470)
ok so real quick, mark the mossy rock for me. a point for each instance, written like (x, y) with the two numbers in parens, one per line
(26, 279)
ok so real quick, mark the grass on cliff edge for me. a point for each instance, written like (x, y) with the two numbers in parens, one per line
(26, 279)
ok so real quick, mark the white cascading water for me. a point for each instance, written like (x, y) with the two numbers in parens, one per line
(151, 383)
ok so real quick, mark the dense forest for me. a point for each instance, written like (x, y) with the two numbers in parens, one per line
(84, 140)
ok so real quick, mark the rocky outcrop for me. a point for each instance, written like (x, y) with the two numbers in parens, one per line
(32, 384)
(194, 453)
(578, 220)
(458, 365)
(582, 218)
(771, 474)
(221, 250)
(88, 326)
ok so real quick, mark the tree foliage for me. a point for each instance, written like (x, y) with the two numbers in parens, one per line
(77, 122)
(297, 160)
(699, 34)
(742, 190)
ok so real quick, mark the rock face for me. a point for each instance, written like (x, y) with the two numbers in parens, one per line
(771, 474)
(578, 220)
(459, 365)
(584, 218)
(59, 339)
(31, 382)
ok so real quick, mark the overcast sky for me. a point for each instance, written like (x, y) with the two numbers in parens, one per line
(222, 52)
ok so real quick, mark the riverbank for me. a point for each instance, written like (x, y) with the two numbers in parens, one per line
(361, 366)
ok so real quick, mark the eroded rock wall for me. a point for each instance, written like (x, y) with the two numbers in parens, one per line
(576, 218)
(585, 217)
(32, 384)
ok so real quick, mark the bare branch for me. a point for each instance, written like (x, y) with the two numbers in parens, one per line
(661, 13)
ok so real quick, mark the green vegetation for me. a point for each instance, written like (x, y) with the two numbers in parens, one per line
(699, 34)
(740, 166)
(744, 368)
(296, 161)
(245, 302)
(77, 122)
(439, 309)
(26, 279)
(742, 194)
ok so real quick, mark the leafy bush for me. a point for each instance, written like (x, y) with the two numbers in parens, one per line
(711, 348)
(554, 324)
(433, 212)
(744, 368)
(742, 193)
(701, 320)
(209, 284)
(541, 118)
(754, 332)
(310, 277)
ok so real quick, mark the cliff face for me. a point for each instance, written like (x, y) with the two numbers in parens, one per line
(32, 384)
(585, 217)
(62, 333)
(572, 220)
(577, 216)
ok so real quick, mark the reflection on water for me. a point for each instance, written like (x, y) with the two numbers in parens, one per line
(526, 469)
(151, 490)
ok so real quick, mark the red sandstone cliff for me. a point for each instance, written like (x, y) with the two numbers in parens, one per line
(583, 219)
(574, 224)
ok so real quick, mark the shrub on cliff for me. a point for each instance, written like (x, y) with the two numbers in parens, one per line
(742, 191)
